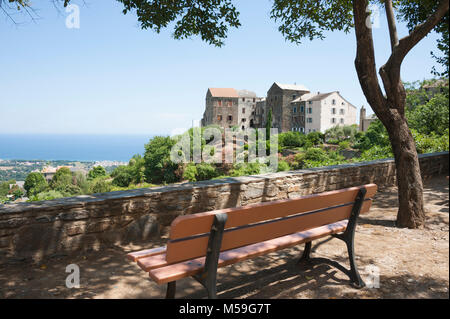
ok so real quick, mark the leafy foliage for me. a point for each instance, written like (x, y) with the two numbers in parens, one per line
(414, 12)
(311, 18)
(158, 166)
(35, 183)
(97, 171)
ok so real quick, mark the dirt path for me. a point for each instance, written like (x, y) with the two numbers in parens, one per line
(411, 264)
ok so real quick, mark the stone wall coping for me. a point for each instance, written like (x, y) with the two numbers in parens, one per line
(82, 200)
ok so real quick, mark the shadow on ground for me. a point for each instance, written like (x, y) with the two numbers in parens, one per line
(397, 254)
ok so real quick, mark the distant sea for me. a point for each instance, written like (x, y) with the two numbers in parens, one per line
(72, 147)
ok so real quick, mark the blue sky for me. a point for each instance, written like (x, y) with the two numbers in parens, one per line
(111, 77)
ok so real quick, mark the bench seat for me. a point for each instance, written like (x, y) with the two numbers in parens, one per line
(201, 243)
(162, 273)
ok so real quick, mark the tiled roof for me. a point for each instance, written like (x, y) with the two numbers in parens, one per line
(223, 92)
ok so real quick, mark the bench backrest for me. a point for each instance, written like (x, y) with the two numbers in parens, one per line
(255, 223)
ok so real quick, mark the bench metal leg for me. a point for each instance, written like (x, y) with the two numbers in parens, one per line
(171, 289)
(306, 252)
(211, 288)
(354, 274)
(349, 238)
(208, 278)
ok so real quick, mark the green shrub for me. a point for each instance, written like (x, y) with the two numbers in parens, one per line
(122, 176)
(344, 145)
(315, 154)
(283, 166)
(431, 143)
(315, 138)
(61, 180)
(97, 171)
(101, 185)
(35, 183)
(206, 171)
(376, 152)
(291, 139)
(243, 169)
(158, 166)
(49, 195)
(190, 172)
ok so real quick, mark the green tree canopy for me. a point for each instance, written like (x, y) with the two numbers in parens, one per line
(35, 183)
(97, 171)
(158, 166)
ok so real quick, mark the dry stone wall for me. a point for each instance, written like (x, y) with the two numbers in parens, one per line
(40, 229)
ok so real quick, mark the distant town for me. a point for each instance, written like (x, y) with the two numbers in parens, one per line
(18, 170)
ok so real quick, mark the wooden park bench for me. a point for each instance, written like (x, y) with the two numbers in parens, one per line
(201, 243)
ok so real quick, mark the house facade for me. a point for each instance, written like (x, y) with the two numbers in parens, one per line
(325, 110)
(293, 107)
(228, 107)
(279, 100)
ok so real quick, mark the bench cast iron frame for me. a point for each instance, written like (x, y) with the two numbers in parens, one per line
(208, 277)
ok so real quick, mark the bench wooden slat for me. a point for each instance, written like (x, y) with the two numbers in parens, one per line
(234, 238)
(146, 253)
(152, 262)
(192, 267)
(188, 225)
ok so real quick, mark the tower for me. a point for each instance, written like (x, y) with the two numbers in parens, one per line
(362, 117)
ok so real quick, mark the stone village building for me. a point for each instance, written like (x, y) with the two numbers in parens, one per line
(294, 108)
(229, 108)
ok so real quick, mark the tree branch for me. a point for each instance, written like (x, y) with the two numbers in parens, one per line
(420, 31)
(391, 23)
(390, 72)
(365, 59)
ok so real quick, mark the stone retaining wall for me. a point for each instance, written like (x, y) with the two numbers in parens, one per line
(39, 229)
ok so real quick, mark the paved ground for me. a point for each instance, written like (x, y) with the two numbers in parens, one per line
(411, 264)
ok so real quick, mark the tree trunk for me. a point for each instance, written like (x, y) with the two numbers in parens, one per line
(390, 107)
(409, 181)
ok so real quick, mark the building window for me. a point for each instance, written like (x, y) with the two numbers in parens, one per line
(219, 118)
(254, 100)
(341, 111)
(230, 103)
(333, 102)
(309, 120)
(295, 110)
(309, 102)
(243, 127)
(243, 110)
(333, 120)
(342, 121)
(309, 110)
(219, 102)
(294, 96)
(333, 110)
(302, 109)
(230, 118)
(244, 120)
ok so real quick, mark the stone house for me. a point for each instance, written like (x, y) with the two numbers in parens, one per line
(228, 107)
(294, 108)
(279, 100)
(325, 110)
